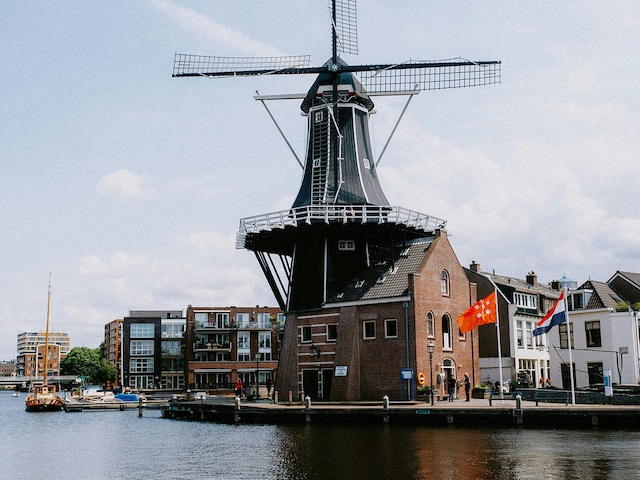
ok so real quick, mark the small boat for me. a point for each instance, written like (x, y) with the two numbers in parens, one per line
(43, 398)
(102, 401)
(15, 394)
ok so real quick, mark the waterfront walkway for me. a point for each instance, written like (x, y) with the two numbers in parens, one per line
(479, 412)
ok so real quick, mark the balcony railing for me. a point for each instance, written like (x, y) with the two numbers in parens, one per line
(212, 347)
(336, 214)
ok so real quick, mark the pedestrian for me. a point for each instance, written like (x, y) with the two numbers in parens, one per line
(452, 388)
(269, 387)
(239, 388)
(467, 386)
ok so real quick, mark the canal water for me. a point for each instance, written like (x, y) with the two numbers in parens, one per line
(121, 445)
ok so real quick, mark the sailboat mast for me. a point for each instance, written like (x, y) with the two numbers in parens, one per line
(46, 333)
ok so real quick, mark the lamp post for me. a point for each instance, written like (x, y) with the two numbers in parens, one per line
(430, 348)
(257, 357)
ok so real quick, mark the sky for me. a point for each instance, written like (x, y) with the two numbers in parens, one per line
(127, 185)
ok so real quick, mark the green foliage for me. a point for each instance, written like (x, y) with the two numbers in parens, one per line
(88, 362)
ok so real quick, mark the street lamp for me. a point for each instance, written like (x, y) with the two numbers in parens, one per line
(257, 357)
(430, 348)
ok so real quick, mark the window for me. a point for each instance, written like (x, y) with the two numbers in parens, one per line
(346, 245)
(141, 347)
(306, 333)
(264, 320)
(390, 328)
(140, 365)
(243, 320)
(519, 334)
(332, 332)
(222, 320)
(592, 331)
(525, 300)
(142, 330)
(596, 373)
(172, 330)
(243, 340)
(579, 300)
(264, 340)
(244, 343)
(562, 330)
(369, 329)
(446, 332)
(201, 318)
(171, 347)
(430, 326)
(444, 282)
(529, 327)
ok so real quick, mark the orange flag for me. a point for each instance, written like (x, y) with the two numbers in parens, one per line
(479, 314)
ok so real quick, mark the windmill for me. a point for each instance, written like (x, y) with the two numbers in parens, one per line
(341, 222)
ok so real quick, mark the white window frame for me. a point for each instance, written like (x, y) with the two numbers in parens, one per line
(364, 329)
(387, 322)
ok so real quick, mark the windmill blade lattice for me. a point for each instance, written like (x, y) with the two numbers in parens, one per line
(435, 75)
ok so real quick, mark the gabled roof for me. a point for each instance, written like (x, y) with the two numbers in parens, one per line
(386, 279)
(520, 285)
(627, 285)
(603, 295)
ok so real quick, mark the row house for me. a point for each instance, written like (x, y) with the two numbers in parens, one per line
(521, 305)
(604, 333)
(227, 345)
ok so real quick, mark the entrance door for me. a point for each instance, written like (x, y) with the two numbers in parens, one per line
(310, 383)
(327, 376)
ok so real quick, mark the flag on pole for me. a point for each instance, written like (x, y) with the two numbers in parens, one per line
(553, 317)
(480, 313)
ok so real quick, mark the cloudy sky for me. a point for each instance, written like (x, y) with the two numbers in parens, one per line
(128, 185)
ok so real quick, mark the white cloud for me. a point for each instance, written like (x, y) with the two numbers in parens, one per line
(220, 34)
(124, 185)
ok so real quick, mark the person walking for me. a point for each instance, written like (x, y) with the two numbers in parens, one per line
(467, 386)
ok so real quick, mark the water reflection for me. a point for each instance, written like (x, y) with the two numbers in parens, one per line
(119, 445)
(391, 451)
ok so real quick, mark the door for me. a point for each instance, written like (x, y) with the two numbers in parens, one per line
(327, 376)
(310, 383)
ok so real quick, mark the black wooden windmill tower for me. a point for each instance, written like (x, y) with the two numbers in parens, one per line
(341, 222)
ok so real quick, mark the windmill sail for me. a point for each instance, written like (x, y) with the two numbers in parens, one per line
(340, 222)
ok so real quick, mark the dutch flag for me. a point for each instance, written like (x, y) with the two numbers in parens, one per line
(553, 317)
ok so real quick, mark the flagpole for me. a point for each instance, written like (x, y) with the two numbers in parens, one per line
(495, 289)
(566, 309)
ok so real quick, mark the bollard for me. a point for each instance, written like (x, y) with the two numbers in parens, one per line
(275, 397)
(302, 397)
(290, 398)
(385, 402)
(307, 403)
(518, 401)
(237, 403)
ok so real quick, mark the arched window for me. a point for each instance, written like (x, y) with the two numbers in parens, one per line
(444, 282)
(430, 325)
(446, 332)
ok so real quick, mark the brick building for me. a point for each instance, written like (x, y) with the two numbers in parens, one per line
(113, 347)
(227, 344)
(363, 339)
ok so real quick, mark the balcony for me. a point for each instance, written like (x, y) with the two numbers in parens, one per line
(212, 347)
(212, 325)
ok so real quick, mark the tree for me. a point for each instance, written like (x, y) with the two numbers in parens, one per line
(88, 363)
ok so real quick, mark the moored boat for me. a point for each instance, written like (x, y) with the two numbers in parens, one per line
(43, 398)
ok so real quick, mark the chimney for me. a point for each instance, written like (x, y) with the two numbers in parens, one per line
(532, 278)
(555, 285)
(474, 267)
